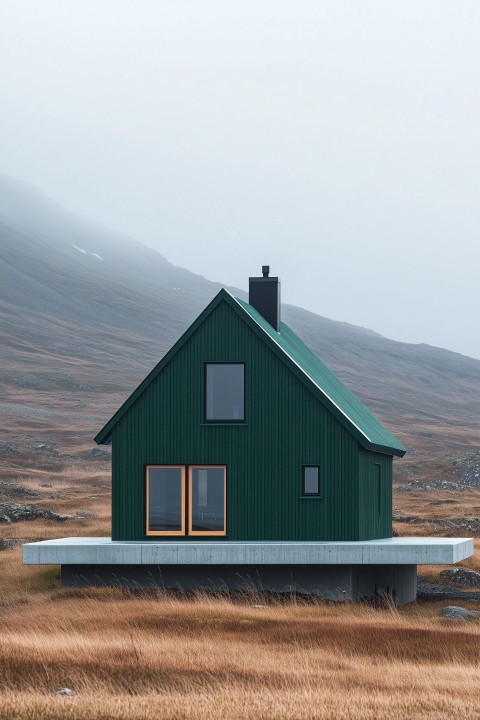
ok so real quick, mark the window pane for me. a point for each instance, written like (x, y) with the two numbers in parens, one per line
(165, 511)
(208, 499)
(225, 391)
(310, 479)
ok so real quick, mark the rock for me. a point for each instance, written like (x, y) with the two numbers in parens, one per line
(8, 450)
(470, 475)
(258, 607)
(461, 577)
(85, 513)
(454, 612)
(96, 453)
(68, 692)
(15, 512)
(9, 543)
(47, 485)
(438, 484)
(9, 490)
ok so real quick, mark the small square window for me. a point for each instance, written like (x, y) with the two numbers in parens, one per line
(224, 392)
(311, 480)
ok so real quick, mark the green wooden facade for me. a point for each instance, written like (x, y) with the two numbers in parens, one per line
(296, 413)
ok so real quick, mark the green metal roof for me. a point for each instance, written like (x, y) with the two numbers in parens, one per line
(303, 362)
(369, 430)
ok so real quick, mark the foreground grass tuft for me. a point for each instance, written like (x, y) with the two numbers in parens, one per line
(142, 655)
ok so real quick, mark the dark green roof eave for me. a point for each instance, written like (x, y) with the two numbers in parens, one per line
(398, 451)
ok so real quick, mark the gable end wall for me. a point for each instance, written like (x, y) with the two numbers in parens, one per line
(286, 427)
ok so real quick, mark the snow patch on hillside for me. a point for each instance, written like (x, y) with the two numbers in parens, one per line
(86, 252)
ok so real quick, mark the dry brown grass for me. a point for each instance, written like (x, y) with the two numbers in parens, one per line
(147, 655)
(135, 656)
(141, 655)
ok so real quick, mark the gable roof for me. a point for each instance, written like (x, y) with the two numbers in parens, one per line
(348, 409)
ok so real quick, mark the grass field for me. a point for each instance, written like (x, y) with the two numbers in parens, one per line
(153, 655)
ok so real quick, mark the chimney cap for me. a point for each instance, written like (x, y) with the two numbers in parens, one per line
(265, 270)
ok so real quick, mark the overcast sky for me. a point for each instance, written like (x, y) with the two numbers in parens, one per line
(338, 141)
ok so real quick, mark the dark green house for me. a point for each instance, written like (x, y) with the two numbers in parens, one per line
(241, 462)
(241, 433)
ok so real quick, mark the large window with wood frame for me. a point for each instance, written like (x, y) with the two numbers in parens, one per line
(165, 500)
(176, 506)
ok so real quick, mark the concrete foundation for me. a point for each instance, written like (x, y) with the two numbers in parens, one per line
(388, 551)
(331, 570)
(331, 582)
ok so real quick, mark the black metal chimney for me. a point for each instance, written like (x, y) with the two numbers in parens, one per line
(264, 295)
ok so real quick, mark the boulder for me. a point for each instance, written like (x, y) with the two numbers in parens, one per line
(454, 612)
(14, 512)
(461, 577)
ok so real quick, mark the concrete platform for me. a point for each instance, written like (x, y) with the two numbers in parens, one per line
(331, 570)
(389, 551)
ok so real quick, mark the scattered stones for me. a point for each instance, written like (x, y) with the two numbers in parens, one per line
(400, 516)
(67, 692)
(469, 523)
(8, 450)
(46, 485)
(443, 502)
(10, 543)
(461, 577)
(15, 512)
(470, 474)
(8, 490)
(433, 591)
(416, 485)
(97, 454)
(47, 449)
(454, 612)
(85, 513)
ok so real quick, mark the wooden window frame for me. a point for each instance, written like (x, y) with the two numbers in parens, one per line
(207, 532)
(147, 491)
(305, 494)
(186, 501)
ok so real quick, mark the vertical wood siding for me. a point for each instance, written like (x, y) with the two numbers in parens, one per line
(375, 517)
(286, 427)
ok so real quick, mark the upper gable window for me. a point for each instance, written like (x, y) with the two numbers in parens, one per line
(224, 392)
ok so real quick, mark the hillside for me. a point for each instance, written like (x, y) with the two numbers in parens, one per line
(85, 314)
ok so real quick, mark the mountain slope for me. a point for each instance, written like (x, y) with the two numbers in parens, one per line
(85, 314)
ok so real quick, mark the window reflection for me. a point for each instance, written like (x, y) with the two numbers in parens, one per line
(207, 500)
(225, 392)
(165, 487)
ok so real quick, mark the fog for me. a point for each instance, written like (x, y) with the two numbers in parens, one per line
(337, 141)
